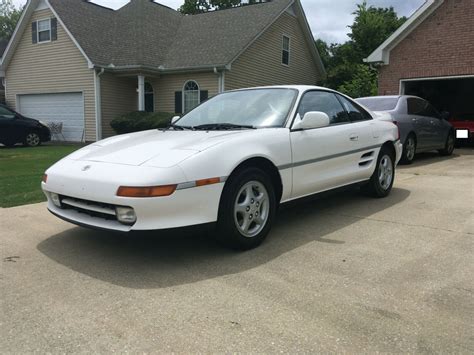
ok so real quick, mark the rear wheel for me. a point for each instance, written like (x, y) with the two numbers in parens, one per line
(409, 150)
(32, 139)
(449, 145)
(247, 209)
(381, 182)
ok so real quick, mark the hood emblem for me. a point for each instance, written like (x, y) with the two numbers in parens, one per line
(85, 168)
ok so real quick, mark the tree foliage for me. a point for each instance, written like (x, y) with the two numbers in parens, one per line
(346, 71)
(9, 16)
(192, 7)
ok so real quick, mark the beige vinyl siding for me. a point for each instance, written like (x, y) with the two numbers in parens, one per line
(167, 85)
(119, 96)
(51, 67)
(261, 64)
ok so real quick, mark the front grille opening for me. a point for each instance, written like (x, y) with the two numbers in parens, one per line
(92, 205)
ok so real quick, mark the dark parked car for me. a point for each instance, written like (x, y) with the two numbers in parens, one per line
(15, 128)
(422, 127)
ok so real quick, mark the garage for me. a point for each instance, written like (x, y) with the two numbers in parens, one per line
(454, 95)
(65, 108)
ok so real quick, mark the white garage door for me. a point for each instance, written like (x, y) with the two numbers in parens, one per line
(67, 108)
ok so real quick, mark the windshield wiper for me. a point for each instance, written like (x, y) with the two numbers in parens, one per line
(222, 126)
(177, 128)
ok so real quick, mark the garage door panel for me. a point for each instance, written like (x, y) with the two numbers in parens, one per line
(67, 108)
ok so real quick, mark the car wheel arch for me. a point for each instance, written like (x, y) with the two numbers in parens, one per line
(265, 165)
(390, 145)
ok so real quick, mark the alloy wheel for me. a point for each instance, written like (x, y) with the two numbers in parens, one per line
(385, 172)
(251, 209)
(32, 139)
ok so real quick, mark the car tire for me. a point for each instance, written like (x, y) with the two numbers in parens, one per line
(247, 209)
(381, 182)
(32, 139)
(409, 150)
(449, 145)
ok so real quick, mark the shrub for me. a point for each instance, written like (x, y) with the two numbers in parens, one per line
(140, 121)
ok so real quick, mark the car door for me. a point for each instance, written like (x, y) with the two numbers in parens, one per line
(322, 157)
(7, 125)
(420, 123)
(437, 130)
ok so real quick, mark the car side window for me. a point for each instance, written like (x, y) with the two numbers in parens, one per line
(6, 114)
(415, 106)
(430, 111)
(326, 102)
(355, 113)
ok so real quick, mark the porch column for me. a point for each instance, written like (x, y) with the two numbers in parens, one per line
(141, 93)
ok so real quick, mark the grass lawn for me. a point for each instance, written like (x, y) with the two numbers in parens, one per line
(21, 169)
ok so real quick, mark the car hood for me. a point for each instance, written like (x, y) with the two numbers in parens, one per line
(153, 148)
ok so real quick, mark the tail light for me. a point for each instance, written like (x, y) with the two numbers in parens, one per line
(398, 129)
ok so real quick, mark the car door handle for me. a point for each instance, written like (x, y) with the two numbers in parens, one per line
(414, 119)
(432, 122)
(354, 137)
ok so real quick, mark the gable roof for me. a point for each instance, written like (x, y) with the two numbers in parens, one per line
(147, 35)
(382, 53)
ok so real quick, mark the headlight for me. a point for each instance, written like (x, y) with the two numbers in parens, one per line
(43, 123)
(126, 215)
(55, 199)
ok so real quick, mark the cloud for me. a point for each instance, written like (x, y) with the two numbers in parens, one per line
(328, 19)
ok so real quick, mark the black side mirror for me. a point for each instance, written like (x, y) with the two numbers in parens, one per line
(445, 115)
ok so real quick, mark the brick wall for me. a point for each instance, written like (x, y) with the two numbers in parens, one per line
(443, 45)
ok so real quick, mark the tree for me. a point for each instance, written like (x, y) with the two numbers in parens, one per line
(372, 26)
(344, 64)
(9, 16)
(192, 7)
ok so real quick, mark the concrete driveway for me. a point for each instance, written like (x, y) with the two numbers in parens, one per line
(339, 273)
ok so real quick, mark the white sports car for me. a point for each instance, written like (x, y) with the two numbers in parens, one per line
(232, 160)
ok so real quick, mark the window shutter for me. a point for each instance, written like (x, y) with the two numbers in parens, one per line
(178, 102)
(204, 94)
(34, 32)
(54, 29)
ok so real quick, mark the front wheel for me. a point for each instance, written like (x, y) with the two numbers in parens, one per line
(247, 209)
(449, 145)
(381, 182)
(32, 139)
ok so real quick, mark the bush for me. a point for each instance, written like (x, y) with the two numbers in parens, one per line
(141, 121)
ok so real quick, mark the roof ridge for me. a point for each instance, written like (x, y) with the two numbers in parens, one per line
(239, 7)
(98, 5)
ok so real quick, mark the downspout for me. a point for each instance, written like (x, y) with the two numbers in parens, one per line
(98, 105)
(220, 80)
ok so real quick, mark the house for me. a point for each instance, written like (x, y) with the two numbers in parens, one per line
(432, 56)
(83, 64)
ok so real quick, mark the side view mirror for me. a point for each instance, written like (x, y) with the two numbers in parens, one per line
(445, 115)
(175, 119)
(311, 120)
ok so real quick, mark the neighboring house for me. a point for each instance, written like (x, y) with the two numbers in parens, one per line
(83, 64)
(432, 56)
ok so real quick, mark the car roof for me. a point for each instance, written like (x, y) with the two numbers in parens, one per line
(300, 88)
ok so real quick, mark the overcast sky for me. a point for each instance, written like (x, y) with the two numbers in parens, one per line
(328, 18)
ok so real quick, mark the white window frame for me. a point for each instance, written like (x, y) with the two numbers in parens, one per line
(284, 50)
(38, 31)
(184, 95)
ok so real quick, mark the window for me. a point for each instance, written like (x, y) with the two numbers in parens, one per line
(355, 113)
(380, 103)
(190, 96)
(44, 30)
(149, 98)
(6, 113)
(415, 106)
(285, 53)
(326, 102)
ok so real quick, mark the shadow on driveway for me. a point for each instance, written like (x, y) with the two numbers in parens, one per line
(154, 260)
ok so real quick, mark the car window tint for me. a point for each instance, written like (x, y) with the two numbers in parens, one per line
(5, 113)
(415, 106)
(324, 102)
(355, 113)
(430, 111)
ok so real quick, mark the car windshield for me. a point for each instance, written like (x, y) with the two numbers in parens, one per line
(379, 103)
(254, 108)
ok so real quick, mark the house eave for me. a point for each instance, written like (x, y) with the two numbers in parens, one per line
(381, 55)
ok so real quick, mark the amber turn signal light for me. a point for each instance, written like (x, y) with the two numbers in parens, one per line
(209, 181)
(148, 191)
